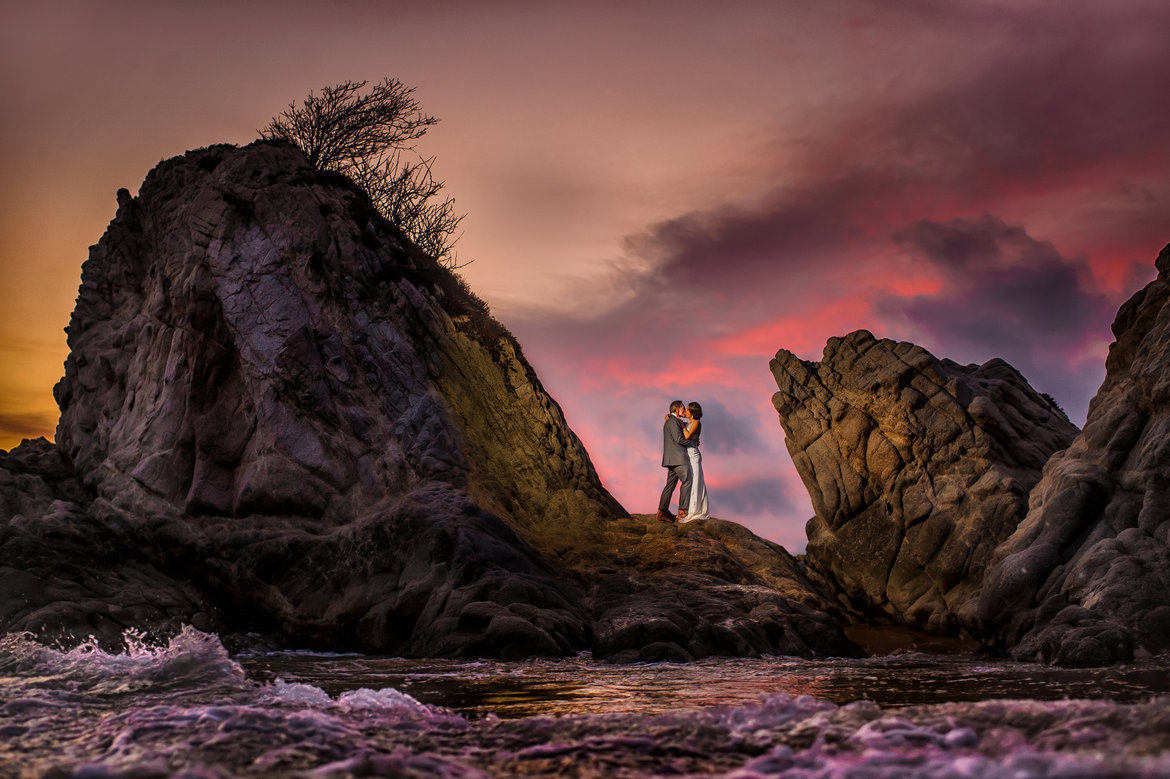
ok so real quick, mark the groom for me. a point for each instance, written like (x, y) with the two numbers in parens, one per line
(678, 465)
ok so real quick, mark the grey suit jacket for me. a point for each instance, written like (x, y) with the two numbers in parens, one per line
(673, 452)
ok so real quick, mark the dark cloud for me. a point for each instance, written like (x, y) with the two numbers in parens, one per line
(730, 250)
(809, 242)
(753, 497)
(1001, 286)
(1080, 107)
(1005, 294)
(1083, 97)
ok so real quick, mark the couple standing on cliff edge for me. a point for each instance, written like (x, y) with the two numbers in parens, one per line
(680, 457)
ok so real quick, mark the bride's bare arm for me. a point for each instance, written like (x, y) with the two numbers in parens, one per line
(691, 428)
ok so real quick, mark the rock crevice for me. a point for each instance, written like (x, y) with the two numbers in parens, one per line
(917, 468)
(1085, 578)
(957, 500)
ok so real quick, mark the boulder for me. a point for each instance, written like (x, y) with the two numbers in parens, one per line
(918, 468)
(1085, 578)
(662, 591)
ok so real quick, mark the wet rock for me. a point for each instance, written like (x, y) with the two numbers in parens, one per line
(73, 567)
(917, 468)
(1085, 578)
(669, 592)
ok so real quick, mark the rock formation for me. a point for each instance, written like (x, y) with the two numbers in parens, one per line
(252, 339)
(279, 417)
(917, 469)
(71, 566)
(1085, 578)
(677, 592)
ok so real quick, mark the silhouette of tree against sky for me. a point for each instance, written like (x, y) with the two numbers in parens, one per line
(369, 135)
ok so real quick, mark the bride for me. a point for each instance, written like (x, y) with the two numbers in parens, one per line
(698, 502)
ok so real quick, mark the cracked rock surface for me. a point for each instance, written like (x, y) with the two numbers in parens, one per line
(1085, 578)
(918, 468)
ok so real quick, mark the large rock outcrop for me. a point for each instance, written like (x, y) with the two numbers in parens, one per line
(1085, 578)
(917, 469)
(251, 338)
(279, 417)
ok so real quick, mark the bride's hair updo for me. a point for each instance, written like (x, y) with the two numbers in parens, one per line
(695, 409)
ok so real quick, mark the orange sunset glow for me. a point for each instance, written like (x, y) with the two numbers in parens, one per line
(659, 195)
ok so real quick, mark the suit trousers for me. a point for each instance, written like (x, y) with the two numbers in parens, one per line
(674, 475)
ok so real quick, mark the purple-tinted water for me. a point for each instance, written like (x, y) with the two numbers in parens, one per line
(189, 709)
(581, 686)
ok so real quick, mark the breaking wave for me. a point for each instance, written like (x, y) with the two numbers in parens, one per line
(191, 661)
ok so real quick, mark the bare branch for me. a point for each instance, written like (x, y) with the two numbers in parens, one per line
(364, 135)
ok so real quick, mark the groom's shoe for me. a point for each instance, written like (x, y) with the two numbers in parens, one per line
(664, 517)
(682, 513)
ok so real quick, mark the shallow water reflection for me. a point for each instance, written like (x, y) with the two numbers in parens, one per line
(583, 686)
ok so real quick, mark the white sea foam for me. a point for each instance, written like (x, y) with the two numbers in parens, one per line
(386, 698)
(296, 692)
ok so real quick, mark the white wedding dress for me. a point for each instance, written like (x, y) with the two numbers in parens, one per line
(698, 502)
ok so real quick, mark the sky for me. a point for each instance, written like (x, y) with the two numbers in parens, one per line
(659, 195)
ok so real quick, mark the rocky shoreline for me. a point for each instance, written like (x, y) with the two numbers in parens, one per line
(282, 422)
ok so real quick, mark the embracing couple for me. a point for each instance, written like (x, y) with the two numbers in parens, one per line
(680, 457)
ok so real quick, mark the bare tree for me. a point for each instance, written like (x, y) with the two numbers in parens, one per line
(369, 137)
(407, 194)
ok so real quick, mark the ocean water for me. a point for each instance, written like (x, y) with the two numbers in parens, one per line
(191, 709)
